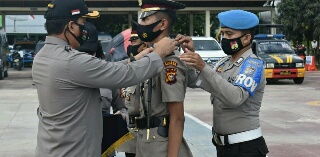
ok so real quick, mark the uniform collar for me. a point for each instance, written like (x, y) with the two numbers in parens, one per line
(55, 41)
(243, 57)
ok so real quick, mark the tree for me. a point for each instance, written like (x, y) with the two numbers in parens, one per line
(301, 19)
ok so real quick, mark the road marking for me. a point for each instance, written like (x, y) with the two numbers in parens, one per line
(314, 103)
(198, 120)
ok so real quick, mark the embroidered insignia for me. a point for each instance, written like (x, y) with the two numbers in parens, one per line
(249, 70)
(168, 63)
(234, 45)
(171, 76)
(144, 35)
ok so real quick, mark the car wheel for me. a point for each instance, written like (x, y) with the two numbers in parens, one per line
(298, 80)
(1, 75)
(5, 74)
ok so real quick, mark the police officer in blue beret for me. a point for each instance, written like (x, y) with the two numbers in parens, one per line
(236, 84)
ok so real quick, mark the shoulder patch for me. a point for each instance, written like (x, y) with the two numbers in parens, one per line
(250, 73)
(171, 76)
(170, 63)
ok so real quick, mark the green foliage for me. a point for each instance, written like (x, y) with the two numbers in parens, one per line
(301, 18)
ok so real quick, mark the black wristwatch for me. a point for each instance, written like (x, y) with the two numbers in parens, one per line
(132, 59)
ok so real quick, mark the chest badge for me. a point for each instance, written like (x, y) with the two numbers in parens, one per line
(171, 76)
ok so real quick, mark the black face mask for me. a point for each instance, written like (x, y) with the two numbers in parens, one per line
(145, 32)
(83, 33)
(232, 46)
(132, 50)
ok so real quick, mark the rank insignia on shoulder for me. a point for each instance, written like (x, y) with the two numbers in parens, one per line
(219, 70)
(170, 63)
(128, 98)
(171, 75)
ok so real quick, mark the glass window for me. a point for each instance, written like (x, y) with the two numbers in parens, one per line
(206, 45)
(270, 47)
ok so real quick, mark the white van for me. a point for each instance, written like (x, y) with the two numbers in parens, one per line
(208, 48)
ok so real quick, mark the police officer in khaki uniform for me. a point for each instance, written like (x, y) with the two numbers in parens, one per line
(132, 96)
(160, 131)
(68, 82)
(236, 84)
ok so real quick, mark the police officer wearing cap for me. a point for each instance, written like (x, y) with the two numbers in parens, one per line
(132, 96)
(109, 98)
(68, 82)
(236, 84)
(160, 131)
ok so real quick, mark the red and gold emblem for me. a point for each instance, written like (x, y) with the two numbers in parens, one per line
(234, 45)
(171, 75)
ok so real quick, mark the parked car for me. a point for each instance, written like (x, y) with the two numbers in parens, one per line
(280, 60)
(208, 48)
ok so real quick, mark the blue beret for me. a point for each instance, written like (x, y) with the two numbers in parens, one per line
(238, 19)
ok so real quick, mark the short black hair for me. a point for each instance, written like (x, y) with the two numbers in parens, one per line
(250, 31)
(168, 15)
(57, 26)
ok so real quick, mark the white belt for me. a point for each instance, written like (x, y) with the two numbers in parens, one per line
(240, 137)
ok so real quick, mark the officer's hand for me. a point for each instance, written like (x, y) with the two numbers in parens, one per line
(143, 53)
(122, 114)
(185, 42)
(165, 47)
(192, 59)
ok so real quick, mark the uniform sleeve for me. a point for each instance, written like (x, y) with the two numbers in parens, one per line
(173, 77)
(91, 72)
(117, 102)
(225, 91)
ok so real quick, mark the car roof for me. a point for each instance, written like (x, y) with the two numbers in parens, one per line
(202, 38)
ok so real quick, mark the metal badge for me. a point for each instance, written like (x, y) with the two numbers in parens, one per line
(140, 2)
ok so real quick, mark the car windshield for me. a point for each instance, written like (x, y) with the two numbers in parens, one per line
(205, 45)
(24, 46)
(271, 47)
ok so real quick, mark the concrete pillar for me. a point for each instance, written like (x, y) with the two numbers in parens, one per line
(207, 27)
(129, 19)
(191, 24)
(273, 14)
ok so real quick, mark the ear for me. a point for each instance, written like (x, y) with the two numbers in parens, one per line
(247, 39)
(164, 24)
(70, 26)
(144, 46)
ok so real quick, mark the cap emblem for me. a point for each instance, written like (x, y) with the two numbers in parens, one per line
(50, 5)
(75, 12)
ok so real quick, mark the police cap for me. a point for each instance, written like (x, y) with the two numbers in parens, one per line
(91, 44)
(238, 19)
(134, 34)
(65, 9)
(149, 7)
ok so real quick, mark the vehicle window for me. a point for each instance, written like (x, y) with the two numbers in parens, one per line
(269, 47)
(206, 45)
(24, 46)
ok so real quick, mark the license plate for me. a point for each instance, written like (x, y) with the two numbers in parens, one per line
(285, 73)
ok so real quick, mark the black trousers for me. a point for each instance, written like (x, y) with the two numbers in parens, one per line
(253, 148)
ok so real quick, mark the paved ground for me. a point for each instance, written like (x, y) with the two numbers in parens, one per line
(289, 118)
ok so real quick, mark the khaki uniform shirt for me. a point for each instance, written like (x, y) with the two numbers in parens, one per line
(168, 86)
(235, 107)
(132, 96)
(68, 82)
